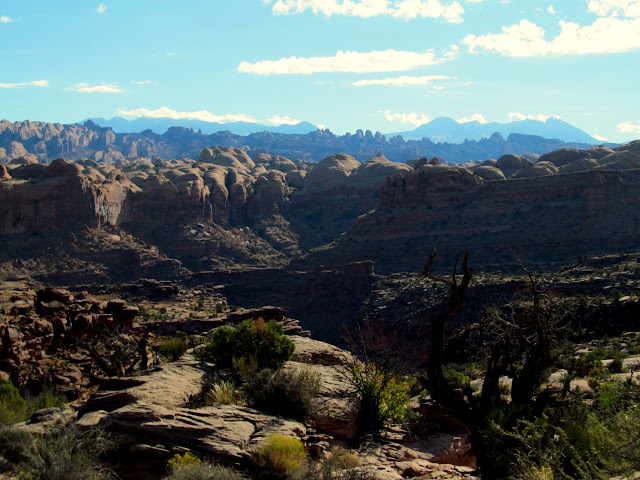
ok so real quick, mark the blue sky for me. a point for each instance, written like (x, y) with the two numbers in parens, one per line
(345, 64)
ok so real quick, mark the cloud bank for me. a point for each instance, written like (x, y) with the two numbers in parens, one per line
(403, 81)
(403, 9)
(608, 34)
(102, 88)
(351, 62)
(629, 127)
(36, 83)
(415, 119)
(286, 120)
(205, 116)
(541, 117)
(476, 117)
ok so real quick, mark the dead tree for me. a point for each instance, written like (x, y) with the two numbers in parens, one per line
(435, 382)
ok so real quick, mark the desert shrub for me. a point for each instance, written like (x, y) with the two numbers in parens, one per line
(46, 399)
(251, 339)
(456, 377)
(63, 454)
(341, 465)
(612, 396)
(344, 459)
(617, 364)
(245, 367)
(12, 405)
(279, 456)
(190, 467)
(173, 348)
(225, 393)
(288, 393)
(383, 396)
(575, 441)
(184, 460)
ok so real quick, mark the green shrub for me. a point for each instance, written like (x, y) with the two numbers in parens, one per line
(289, 393)
(45, 400)
(245, 367)
(279, 456)
(62, 454)
(617, 364)
(383, 396)
(12, 405)
(173, 348)
(251, 339)
(225, 393)
(190, 467)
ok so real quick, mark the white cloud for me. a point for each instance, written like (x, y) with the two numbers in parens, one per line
(404, 9)
(476, 117)
(286, 120)
(36, 83)
(101, 8)
(541, 117)
(467, 83)
(628, 8)
(416, 119)
(629, 127)
(102, 88)
(141, 83)
(5, 19)
(321, 126)
(526, 39)
(551, 10)
(203, 115)
(403, 81)
(598, 137)
(353, 62)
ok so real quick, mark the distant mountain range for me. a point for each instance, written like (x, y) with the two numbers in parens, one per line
(439, 130)
(47, 141)
(445, 129)
(161, 125)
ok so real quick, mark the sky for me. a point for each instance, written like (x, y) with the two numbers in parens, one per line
(382, 65)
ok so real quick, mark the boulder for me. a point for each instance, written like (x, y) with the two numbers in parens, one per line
(599, 151)
(580, 165)
(24, 160)
(332, 169)
(620, 160)
(510, 164)
(374, 172)
(538, 169)
(169, 385)
(227, 157)
(220, 433)
(337, 403)
(487, 172)
(564, 156)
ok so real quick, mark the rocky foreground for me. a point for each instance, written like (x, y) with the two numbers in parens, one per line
(53, 337)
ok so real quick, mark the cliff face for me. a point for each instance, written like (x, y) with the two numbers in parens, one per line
(228, 210)
(543, 219)
(224, 209)
(60, 196)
